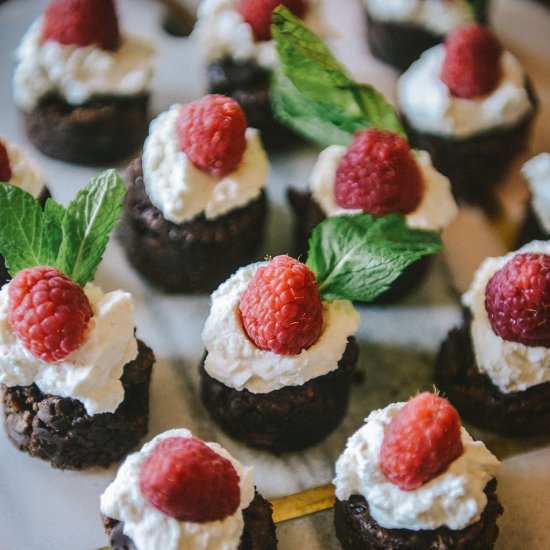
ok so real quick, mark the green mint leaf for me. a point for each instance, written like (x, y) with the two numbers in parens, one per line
(88, 220)
(357, 257)
(317, 97)
(479, 8)
(53, 234)
(23, 241)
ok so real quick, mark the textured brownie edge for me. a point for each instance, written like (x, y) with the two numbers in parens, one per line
(258, 532)
(96, 133)
(192, 257)
(59, 429)
(530, 228)
(308, 214)
(357, 530)
(478, 400)
(287, 419)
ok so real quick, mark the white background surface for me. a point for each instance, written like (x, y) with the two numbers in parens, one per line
(41, 508)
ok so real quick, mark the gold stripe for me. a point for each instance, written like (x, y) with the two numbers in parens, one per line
(303, 503)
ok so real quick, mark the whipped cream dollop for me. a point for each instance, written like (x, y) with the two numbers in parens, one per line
(222, 33)
(537, 173)
(438, 16)
(181, 191)
(436, 209)
(430, 107)
(25, 173)
(90, 373)
(455, 498)
(511, 366)
(238, 363)
(78, 74)
(151, 529)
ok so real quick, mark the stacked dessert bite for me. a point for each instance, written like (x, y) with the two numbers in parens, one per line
(469, 104)
(235, 38)
(495, 368)
(74, 379)
(81, 84)
(179, 492)
(18, 168)
(398, 32)
(412, 477)
(195, 207)
(280, 352)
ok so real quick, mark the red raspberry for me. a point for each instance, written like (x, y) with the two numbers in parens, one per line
(188, 481)
(82, 23)
(281, 308)
(517, 300)
(210, 131)
(48, 312)
(421, 440)
(257, 13)
(471, 67)
(378, 174)
(5, 168)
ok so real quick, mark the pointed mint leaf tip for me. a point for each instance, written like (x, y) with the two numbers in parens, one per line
(358, 257)
(313, 94)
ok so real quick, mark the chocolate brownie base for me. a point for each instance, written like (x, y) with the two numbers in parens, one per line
(4, 275)
(479, 401)
(357, 530)
(101, 131)
(530, 229)
(59, 429)
(288, 419)
(400, 44)
(258, 532)
(475, 164)
(308, 215)
(248, 84)
(195, 256)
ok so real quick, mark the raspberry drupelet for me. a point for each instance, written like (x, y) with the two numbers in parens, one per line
(5, 167)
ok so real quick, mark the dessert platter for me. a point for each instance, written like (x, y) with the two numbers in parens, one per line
(262, 429)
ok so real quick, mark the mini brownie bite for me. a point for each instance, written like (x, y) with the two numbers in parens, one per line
(469, 104)
(398, 32)
(377, 174)
(19, 169)
(495, 368)
(179, 492)
(74, 379)
(280, 352)
(235, 38)
(81, 84)
(412, 477)
(195, 205)
(536, 220)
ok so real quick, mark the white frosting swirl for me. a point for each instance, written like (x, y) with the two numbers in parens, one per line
(455, 498)
(438, 16)
(511, 366)
(430, 107)
(151, 529)
(238, 363)
(78, 74)
(436, 209)
(181, 191)
(90, 373)
(537, 173)
(222, 33)
(25, 173)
